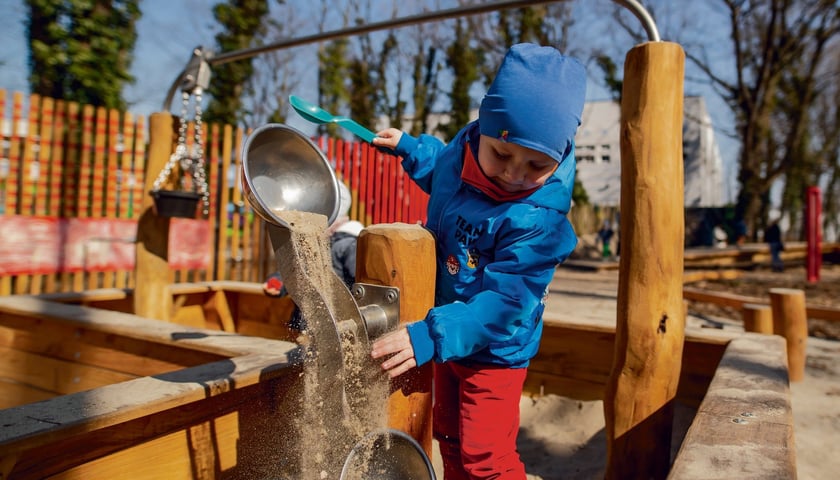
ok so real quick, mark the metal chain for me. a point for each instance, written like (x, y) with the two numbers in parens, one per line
(193, 176)
(180, 148)
(198, 155)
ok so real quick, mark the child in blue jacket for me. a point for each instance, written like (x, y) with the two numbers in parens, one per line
(499, 195)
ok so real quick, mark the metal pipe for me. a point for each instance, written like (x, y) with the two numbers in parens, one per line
(372, 27)
(634, 6)
(643, 16)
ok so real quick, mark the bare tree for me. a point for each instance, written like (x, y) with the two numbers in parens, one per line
(276, 75)
(777, 48)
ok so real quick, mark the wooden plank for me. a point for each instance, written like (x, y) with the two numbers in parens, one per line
(572, 357)
(265, 330)
(44, 159)
(54, 344)
(718, 298)
(100, 171)
(831, 314)
(10, 183)
(238, 222)
(138, 168)
(261, 308)
(56, 171)
(30, 172)
(87, 296)
(699, 275)
(111, 330)
(14, 394)
(12, 202)
(70, 183)
(54, 375)
(744, 428)
(64, 197)
(574, 361)
(223, 242)
(216, 212)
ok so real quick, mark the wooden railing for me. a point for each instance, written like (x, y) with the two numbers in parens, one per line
(72, 184)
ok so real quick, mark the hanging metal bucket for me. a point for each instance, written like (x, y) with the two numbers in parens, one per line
(176, 203)
(387, 454)
(282, 169)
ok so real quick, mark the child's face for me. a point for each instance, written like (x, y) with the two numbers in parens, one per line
(512, 167)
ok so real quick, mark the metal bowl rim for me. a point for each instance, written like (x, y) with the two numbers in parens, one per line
(263, 210)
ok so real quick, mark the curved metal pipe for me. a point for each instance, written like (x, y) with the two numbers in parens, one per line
(634, 6)
(643, 16)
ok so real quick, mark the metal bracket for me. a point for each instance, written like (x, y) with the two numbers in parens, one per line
(196, 75)
(379, 306)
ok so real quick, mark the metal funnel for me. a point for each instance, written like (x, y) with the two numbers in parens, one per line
(282, 169)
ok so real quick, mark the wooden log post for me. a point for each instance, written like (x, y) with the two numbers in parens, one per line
(790, 320)
(650, 326)
(403, 256)
(757, 318)
(152, 275)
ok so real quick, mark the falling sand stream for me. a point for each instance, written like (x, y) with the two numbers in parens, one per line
(345, 393)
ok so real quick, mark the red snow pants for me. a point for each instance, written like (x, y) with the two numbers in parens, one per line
(476, 420)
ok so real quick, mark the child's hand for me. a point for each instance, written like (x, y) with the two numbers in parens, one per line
(397, 343)
(388, 138)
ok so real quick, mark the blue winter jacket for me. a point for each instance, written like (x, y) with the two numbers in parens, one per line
(495, 260)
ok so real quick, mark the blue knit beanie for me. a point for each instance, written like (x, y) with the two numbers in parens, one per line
(536, 100)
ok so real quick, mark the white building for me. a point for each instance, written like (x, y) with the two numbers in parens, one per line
(598, 154)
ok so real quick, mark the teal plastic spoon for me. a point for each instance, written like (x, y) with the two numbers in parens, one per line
(316, 114)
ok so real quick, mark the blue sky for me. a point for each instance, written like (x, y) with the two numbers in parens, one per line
(170, 29)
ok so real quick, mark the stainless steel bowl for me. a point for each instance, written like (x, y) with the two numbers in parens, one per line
(282, 169)
(387, 454)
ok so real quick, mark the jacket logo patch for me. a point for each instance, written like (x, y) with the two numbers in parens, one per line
(472, 258)
(452, 264)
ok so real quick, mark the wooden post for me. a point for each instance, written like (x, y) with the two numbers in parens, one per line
(152, 273)
(757, 318)
(403, 256)
(650, 326)
(790, 320)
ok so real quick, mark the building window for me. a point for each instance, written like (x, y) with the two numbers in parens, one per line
(605, 158)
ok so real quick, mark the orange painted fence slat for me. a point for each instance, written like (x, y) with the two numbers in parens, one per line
(63, 161)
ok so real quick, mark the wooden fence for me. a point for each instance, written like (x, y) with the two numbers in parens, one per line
(71, 187)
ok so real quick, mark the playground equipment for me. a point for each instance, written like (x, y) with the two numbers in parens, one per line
(210, 398)
(186, 163)
(283, 172)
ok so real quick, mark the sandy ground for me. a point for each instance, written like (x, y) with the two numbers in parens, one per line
(561, 438)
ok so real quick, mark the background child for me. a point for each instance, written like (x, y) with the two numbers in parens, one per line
(499, 195)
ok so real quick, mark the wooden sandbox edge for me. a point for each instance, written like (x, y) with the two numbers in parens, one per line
(744, 428)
